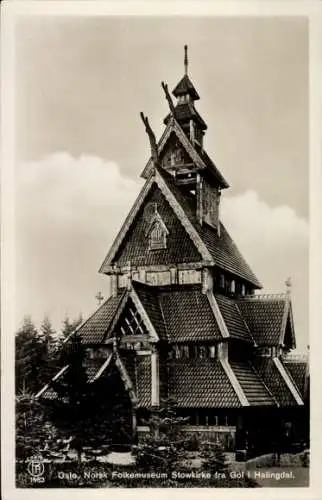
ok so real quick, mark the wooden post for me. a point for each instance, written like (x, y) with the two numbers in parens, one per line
(199, 195)
(114, 285)
(155, 381)
(207, 280)
(134, 424)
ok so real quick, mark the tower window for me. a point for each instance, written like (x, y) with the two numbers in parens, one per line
(233, 286)
(243, 289)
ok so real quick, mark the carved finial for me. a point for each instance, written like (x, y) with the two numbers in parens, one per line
(186, 59)
(153, 142)
(168, 97)
(288, 284)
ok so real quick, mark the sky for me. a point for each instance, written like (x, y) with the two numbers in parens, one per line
(80, 84)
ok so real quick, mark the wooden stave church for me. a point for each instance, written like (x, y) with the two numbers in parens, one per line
(185, 319)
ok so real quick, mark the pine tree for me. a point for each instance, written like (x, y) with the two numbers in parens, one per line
(69, 326)
(30, 353)
(165, 447)
(67, 413)
(51, 350)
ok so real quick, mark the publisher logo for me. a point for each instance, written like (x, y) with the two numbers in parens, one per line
(36, 468)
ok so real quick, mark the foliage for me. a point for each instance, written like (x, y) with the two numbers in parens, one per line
(38, 353)
(92, 412)
(31, 431)
(164, 448)
(30, 357)
(214, 458)
(69, 326)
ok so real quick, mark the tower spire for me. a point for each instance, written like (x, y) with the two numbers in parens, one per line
(186, 59)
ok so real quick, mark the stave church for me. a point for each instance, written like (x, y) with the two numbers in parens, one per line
(186, 318)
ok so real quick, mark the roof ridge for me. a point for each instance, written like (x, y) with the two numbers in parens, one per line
(163, 317)
(264, 296)
(262, 380)
(245, 323)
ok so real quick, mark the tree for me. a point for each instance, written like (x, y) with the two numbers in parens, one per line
(165, 447)
(30, 353)
(30, 426)
(89, 411)
(69, 326)
(51, 350)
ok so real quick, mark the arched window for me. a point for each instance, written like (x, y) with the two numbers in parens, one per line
(157, 236)
(156, 230)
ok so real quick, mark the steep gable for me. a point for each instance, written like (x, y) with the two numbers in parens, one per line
(135, 247)
(269, 319)
(200, 159)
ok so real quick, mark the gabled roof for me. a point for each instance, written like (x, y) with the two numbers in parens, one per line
(267, 317)
(193, 234)
(94, 329)
(200, 159)
(94, 368)
(179, 314)
(185, 86)
(201, 383)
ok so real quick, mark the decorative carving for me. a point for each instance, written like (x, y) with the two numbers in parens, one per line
(168, 97)
(153, 142)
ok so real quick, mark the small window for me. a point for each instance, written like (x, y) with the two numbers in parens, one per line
(222, 281)
(177, 352)
(202, 351)
(243, 289)
(157, 237)
(233, 286)
(212, 351)
(185, 351)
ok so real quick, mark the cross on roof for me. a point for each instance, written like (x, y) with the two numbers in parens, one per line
(99, 297)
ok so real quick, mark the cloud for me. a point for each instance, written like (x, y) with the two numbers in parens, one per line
(275, 243)
(68, 211)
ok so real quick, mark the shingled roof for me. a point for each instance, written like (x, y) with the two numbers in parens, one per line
(185, 111)
(221, 247)
(275, 382)
(264, 317)
(180, 314)
(185, 86)
(233, 319)
(94, 368)
(299, 373)
(93, 330)
(201, 383)
(255, 390)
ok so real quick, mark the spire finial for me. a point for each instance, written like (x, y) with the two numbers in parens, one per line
(186, 59)
(288, 284)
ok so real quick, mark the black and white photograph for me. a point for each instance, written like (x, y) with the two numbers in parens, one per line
(161, 228)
